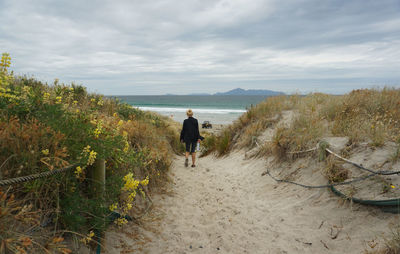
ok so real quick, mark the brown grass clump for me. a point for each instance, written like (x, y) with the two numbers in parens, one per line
(334, 170)
(224, 142)
(243, 131)
(208, 144)
(369, 115)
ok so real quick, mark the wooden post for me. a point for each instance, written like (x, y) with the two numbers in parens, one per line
(98, 191)
(99, 177)
(322, 152)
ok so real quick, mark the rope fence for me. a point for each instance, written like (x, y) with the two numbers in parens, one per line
(359, 179)
(28, 178)
(361, 166)
(389, 205)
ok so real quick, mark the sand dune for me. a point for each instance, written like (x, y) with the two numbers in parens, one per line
(226, 206)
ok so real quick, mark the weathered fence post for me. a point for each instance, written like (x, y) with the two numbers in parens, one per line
(322, 150)
(98, 187)
(99, 177)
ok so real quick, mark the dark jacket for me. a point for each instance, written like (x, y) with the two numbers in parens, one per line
(190, 130)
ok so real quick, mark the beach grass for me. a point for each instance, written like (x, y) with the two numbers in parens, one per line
(367, 115)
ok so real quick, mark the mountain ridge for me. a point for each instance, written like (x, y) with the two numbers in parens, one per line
(240, 91)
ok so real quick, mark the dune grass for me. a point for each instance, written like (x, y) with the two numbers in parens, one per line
(368, 115)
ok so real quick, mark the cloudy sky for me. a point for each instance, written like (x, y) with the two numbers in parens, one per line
(174, 46)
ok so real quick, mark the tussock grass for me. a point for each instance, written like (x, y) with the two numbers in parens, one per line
(208, 144)
(334, 170)
(367, 115)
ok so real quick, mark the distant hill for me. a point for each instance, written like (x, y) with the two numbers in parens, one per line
(199, 94)
(240, 91)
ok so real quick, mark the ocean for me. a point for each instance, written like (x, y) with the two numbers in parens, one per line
(218, 109)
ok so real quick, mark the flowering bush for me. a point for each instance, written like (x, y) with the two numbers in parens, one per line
(46, 127)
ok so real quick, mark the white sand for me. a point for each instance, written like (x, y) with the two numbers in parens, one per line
(226, 206)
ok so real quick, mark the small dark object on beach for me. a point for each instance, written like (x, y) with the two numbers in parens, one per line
(201, 247)
(206, 125)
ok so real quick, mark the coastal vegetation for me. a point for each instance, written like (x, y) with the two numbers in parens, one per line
(279, 127)
(47, 127)
(367, 115)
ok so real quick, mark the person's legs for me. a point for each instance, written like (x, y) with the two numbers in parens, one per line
(193, 159)
(187, 154)
(192, 150)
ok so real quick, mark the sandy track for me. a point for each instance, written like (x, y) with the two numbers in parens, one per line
(225, 206)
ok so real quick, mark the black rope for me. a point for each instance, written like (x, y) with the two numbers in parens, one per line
(35, 176)
(318, 186)
(362, 167)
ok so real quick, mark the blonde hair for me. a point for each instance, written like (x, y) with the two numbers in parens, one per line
(189, 112)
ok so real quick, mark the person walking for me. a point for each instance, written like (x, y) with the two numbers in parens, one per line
(191, 136)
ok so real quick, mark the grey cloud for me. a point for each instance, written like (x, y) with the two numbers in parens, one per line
(156, 47)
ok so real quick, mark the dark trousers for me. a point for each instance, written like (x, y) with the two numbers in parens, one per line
(190, 146)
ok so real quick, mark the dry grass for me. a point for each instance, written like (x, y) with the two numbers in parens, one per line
(371, 116)
(334, 170)
(368, 115)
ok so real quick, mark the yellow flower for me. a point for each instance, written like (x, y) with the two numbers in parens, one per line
(100, 103)
(46, 97)
(145, 181)
(97, 132)
(58, 100)
(120, 123)
(115, 115)
(71, 89)
(75, 102)
(77, 111)
(121, 221)
(45, 152)
(132, 196)
(113, 207)
(129, 206)
(126, 147)
(78, 171)
(86, 149)
(93, 100)
(92, 157)
(130, 183)
(88, 238)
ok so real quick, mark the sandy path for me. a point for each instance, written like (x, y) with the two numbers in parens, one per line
(226, 206)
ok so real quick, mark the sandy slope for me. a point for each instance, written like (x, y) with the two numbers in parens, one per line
(226, 206)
